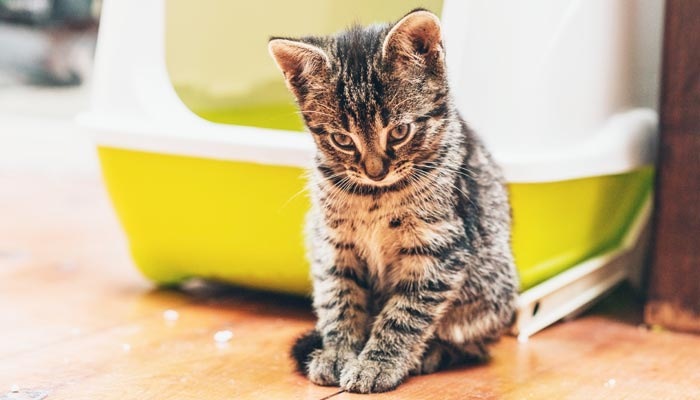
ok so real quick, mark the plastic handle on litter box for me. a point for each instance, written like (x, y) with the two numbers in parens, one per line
(131, 77)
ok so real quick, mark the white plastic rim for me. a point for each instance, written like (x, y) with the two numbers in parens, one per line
(627, 142)
(135, 107)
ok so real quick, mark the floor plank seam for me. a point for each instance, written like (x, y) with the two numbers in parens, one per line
(332, 395)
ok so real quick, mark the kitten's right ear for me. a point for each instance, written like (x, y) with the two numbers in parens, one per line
(300, 63)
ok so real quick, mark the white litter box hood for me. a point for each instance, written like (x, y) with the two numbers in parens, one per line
(558, 89)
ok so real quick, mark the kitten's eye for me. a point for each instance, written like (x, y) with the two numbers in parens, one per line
(400, 133)
(343, 141)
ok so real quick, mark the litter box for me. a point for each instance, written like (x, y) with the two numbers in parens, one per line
(203, 156)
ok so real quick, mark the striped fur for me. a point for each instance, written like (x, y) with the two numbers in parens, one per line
(412, 271)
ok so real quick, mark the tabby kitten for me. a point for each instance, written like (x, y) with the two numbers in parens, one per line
(409, 231)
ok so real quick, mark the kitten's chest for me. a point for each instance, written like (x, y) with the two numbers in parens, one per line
(374, 242)
(377, 232)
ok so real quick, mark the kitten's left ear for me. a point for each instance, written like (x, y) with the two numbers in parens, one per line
(416, 39)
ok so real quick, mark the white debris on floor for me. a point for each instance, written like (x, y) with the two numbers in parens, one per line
(171, 315)
(222, 337)
(16, 393)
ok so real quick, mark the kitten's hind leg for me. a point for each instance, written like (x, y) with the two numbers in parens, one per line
(440, 355)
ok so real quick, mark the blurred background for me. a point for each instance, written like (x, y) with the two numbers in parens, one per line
(46, 53)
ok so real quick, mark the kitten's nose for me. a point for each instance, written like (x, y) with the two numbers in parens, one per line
(376, 168)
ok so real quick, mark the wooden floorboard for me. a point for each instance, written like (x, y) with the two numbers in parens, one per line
(78, 322)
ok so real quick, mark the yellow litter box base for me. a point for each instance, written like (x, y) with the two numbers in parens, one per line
(242, 223)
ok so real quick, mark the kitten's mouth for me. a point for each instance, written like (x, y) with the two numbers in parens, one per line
(391, 179)
(388, 180)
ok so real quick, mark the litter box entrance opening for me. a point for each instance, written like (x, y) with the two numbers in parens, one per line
(217, 58)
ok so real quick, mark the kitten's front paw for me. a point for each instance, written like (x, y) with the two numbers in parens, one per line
(369, 376)
(325, 366)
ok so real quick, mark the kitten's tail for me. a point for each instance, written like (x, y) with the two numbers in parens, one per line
(304, 346)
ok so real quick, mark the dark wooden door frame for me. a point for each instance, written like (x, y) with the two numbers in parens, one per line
(674, 280)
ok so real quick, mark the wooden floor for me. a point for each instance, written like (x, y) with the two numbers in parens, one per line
(77, 322)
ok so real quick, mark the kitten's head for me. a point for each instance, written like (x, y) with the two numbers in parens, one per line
(375, 98)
